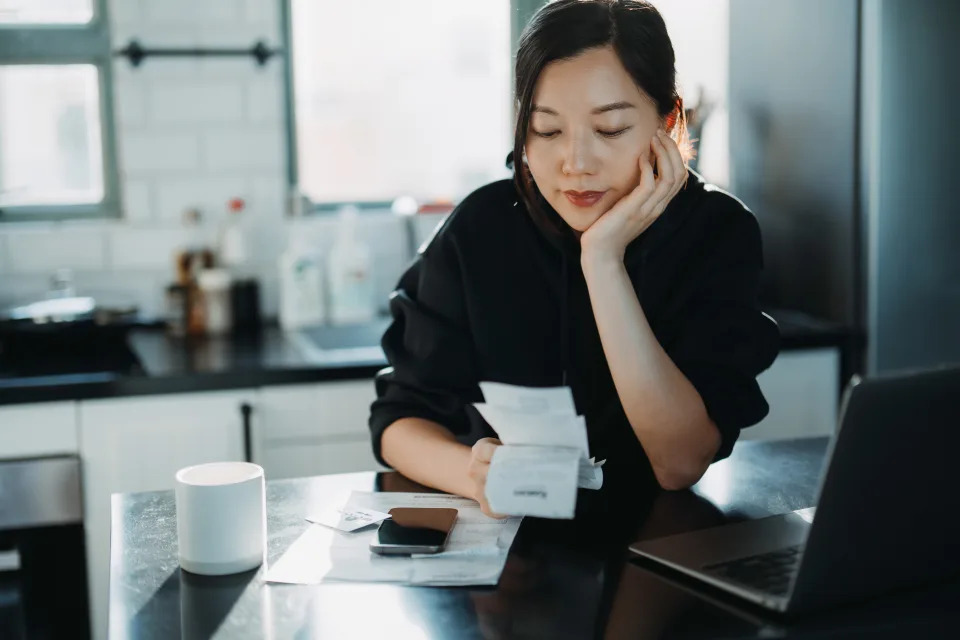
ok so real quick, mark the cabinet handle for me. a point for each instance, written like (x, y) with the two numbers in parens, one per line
(245, 411)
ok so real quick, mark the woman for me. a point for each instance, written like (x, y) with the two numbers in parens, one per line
(605, 265)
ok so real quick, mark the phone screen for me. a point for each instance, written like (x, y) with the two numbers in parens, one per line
(415, 530)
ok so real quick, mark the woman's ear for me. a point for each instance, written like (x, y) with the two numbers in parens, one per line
(670, 120)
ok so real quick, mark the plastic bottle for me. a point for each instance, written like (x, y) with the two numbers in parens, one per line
(301, 283)
(350, 276)
(233, 245)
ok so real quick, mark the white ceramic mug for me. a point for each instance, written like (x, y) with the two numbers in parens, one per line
(221, 517)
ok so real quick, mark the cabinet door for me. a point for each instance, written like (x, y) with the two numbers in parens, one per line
(802, 390)
(317, 457)
(42, 429)
(138, 444)
(313, 429)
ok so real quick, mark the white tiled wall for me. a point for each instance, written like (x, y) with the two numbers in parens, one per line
(191, 133)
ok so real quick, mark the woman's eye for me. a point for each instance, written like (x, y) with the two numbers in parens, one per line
(613, 134)
(608, 134)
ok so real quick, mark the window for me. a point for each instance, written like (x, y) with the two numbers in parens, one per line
(55, 158)
(700, 36)
(400, 98)
(415, 97)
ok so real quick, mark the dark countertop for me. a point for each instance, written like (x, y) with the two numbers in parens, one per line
(563, 579)
(174, 365)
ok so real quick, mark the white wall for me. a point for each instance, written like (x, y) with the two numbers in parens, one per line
(191, 132)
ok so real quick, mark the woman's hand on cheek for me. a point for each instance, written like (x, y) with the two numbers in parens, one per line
(630, 216)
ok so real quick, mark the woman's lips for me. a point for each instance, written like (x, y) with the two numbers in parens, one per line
(584, 198)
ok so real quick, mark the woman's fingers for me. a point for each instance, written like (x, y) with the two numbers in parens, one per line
(483, 451)
(662, 193)
(664, 162)
(680, 170)
(647, 184)
(484, 448)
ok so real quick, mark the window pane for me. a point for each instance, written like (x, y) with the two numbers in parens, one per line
(397, 98)
(50, 144)
(702, 50)
(45, 11)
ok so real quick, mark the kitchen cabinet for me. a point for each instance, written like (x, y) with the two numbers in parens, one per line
(802, 389)
(41, 429)
(313, 429)
(138, 444)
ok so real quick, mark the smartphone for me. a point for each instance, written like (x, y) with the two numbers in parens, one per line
(414, 530)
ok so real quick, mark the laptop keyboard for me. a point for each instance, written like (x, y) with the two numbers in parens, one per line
(770, 572)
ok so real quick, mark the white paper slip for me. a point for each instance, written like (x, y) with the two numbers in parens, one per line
(478, 547)
(529, 399)
(516, 427)
(591, 475)
(533, 481)
(347, 520)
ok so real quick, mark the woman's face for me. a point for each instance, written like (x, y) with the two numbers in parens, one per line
(588, 127)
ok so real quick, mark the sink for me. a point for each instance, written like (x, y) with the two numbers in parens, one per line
(342, 343)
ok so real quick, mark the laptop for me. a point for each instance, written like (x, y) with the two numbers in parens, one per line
(887, 514)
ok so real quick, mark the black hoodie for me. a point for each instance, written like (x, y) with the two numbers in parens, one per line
(493, 295)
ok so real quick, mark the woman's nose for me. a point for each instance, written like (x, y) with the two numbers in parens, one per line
(578, 156)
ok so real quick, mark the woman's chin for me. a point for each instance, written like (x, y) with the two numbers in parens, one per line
(579, 220)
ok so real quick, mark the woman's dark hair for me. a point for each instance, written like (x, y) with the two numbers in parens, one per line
(564, 29)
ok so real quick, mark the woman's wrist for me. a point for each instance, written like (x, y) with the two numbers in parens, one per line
(600, 263)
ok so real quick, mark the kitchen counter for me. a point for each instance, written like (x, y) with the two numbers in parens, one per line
(563, 579)
(175, 365)
(275, 357)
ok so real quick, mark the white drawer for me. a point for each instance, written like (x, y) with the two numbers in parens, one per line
(296, 460)
(339, 409)
(40, 429)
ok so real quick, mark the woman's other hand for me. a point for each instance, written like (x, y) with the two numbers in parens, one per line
(481, 455)
(630, 216)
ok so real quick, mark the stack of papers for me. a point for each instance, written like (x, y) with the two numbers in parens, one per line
(545, 455)
(475, 553)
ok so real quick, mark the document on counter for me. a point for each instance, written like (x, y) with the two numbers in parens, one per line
(475, 554)
(545, 452)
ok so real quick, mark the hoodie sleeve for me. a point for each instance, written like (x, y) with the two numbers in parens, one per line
(724, 341)
(428, 346)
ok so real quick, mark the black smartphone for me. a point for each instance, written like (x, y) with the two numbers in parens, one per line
(414, 530)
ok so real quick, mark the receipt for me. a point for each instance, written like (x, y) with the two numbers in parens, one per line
(545, 452)
(524, 428)
(537, 400)
(533, 481)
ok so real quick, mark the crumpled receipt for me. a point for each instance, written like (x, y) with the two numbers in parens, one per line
(545, 455)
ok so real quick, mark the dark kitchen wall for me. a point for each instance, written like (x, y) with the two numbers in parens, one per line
(792, 102)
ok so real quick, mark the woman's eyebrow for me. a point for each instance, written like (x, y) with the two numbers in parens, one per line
(613, 106)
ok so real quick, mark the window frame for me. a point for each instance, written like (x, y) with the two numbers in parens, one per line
(520, 13)
(63, 44)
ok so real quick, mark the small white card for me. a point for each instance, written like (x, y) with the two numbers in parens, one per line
(347, 519)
